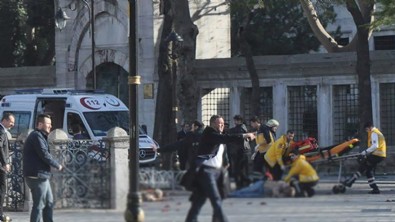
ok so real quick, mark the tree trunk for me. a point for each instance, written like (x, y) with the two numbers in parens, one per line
(361, 14)
(175, 75)
(187, 88)
(163, 111)
(322, 35)
(245, 49)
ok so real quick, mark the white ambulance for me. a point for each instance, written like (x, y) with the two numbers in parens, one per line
(94, 112)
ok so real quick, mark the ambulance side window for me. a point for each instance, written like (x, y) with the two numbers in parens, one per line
(22, 120)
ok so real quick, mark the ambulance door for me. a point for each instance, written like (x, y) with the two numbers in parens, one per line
(55, 107)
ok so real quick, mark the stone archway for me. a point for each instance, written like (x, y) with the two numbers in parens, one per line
(111, 78)
(79, 62)
(81, 27)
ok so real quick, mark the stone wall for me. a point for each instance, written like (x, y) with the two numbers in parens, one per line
(26, 77)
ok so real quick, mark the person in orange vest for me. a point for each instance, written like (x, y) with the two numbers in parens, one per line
(374, 154)
(302, 176)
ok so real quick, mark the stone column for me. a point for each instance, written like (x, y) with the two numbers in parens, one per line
(117, 141)
(280, 106)
(234, 104)
(324, 114)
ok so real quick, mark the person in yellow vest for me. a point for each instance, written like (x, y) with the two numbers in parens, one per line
(374, 154)
(302, 176)
(266, 136)
(274, 155)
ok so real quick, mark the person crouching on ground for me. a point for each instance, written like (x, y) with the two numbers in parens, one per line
(302, 176)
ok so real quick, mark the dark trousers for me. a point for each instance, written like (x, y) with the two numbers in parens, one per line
(3, 179)
(275, 171)
(208, 187)
(258, 164)
(182, 158)
(303, 187)
(241, 170)
(368, 166)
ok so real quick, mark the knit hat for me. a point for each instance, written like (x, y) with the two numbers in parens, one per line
(272, 123)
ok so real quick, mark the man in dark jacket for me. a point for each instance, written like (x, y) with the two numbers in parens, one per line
(210, 162)
(182, 153)
(187, 145)
(37, 163)
(239, 154)
(7, 122)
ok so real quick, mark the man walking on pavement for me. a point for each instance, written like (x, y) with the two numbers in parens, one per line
(211, 161)
(37, 163)
(374, 154)
(7, 122)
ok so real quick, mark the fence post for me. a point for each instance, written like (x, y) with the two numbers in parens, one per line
(117, 141)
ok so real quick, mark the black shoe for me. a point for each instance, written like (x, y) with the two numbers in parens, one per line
(310, 192)
(374, 191)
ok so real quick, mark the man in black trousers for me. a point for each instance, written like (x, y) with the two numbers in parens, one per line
(239, 154)
(210, 161)
(7, 122)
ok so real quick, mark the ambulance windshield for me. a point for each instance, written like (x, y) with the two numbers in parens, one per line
(101, 122)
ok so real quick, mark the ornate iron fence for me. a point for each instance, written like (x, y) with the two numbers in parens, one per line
(15, 194)
(86, 180)
(162, 179)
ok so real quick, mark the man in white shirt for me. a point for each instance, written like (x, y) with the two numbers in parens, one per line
(374, 154)
(210, 161)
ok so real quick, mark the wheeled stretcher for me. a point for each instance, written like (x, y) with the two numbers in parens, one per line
(340, 153)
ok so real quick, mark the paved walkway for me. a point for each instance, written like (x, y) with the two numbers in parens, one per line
(354, 205)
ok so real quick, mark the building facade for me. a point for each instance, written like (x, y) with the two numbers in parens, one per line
(314, 94)
(111, 52)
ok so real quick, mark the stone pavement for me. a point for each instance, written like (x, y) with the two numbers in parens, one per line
(354, 205)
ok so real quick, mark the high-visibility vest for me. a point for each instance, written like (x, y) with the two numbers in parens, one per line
(382, 147)
(263, 144)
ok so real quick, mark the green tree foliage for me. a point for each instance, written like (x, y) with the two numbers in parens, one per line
(385, 14)
(12, 38)
(277, 28)
(40, 47)
(28, 33)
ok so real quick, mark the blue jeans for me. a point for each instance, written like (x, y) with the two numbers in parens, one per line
(254, 190)
(207, 180)
(42, 199)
